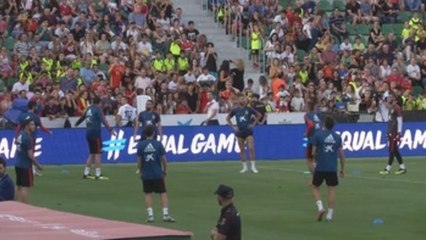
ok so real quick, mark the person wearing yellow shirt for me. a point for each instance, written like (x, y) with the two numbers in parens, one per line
(158, 63)
(358, 45)
(256, 44)
(182, 63)
(170, 63)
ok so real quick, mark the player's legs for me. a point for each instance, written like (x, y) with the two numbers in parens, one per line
(22, 194)
(398, 156)
(309, 158)
(317, 180)
(391, 148)
(148, 189)
(331, 202)
(243, 156)
(160, 187)
(250, 145)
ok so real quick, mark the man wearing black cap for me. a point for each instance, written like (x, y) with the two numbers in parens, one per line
(229, 224)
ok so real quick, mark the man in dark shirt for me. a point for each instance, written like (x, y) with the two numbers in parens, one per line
(229, 224)
(260, 107)
(394, 135)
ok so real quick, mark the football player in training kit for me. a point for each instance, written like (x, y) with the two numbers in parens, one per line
(313, 124)
(246, 118)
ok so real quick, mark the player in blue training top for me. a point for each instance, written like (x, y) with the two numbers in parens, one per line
(327, 147)
(313, 124)
(245, 117)
(94, 119)
(148, 117)
(152, 165)
(30, 114)
(145, 118)
(7, 187)
(24, 161)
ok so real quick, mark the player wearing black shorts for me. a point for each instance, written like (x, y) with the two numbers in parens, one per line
(152, 165)
(326, 148)
(94, 119)
(246, 118)
(24, 161)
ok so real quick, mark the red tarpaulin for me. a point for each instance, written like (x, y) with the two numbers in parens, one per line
(21, 221)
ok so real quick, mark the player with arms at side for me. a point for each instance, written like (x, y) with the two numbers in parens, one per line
(313, 124)
(394, 136)
(326, 149)
(152, 165)
(145, 118)
(30, 114)
(94, 120)
(25, 159)
(245, 117)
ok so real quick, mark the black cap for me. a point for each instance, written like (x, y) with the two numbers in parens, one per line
(225, 191)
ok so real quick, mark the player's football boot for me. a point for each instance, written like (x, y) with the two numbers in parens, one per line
(244, 170)
(254, 170)
(401, 171)
(384, 172)
(150, 219)
(167, 218)
(101, 177)
(88, 177)
(320, 214)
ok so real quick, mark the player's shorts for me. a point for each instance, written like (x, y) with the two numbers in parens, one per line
(330, 179)
(154, 186)
(95, 146)
(24, 177)
(255, 52)
(309, 154)
(245, 133)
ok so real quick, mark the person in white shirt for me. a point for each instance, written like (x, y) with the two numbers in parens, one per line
(297, 103)
(20, 85)
(143, 81)
(189, 76)
(144, 47)
(413, 72)
(346, 45)
(205, 77)
(118, 44)
(212, 109)
(126, 114)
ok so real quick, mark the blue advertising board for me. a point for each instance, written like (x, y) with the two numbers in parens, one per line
(216, 143)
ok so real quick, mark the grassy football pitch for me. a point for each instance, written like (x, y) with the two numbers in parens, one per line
(274, 204)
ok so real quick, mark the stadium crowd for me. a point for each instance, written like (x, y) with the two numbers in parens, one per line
(61, 53)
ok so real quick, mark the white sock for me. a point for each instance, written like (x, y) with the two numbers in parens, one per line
(150, 212)
(388, 167)
(165, 211)
(86, 171)
(98, 172)
(402, 166)
(319, 205)
(244, 165)
(330, 213)
(253, 164)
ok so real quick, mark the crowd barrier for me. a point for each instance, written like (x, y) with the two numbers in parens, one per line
(211, 143)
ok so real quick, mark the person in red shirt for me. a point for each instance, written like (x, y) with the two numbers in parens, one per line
(185, 43)
(397, 78)
(183, 108)
(116, 71)
(203, 97)
(65, 10)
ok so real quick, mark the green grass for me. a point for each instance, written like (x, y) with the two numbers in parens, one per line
(274, 204)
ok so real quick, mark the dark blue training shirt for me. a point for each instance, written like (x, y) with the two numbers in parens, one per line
(23, 144)
(7, 188)
(30, 115)
(327, 143)
(243, 116)
(94, 119)
(149, 118)
(151, 152)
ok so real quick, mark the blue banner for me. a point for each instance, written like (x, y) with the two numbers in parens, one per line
(211, 143)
